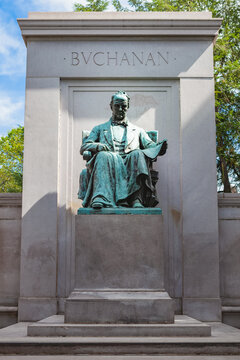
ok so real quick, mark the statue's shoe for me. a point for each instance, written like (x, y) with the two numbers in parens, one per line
(97, 205)
(137, 204)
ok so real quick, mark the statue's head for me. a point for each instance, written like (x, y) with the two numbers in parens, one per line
(119, 105)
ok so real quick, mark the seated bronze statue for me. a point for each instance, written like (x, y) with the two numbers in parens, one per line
(119, 154)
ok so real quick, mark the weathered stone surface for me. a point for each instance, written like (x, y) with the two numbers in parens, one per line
(39, 210)
(231, 315)
(10, 232)
(119, 274)
(119, 307)
(10, 243)
(117, 357)
(152, 25)
(225, 341)
(119, 252)
(182, 326)
(199, 210)
(229, 247)
(203, 309)
(37, 308)
(8, 315)
(229, 235)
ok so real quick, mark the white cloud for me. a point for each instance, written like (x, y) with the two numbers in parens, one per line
(11, 112)
(54, 5)
(12, 56)
(7, 43)
(12, 49)
(46, 5)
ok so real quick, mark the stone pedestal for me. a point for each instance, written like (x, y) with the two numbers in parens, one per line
(119, 271)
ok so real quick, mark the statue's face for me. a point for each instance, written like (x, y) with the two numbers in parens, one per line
(119, 109)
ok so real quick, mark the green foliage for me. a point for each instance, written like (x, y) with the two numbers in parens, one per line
(227, 94)
(117, 5)
(92, 5)
(11, 160)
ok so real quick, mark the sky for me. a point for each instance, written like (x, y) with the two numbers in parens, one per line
(13, 56)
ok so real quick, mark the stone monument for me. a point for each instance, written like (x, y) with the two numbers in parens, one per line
(75, 62)
(108, 279)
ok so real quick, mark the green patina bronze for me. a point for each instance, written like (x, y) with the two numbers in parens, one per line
(120, 211)
(119, 158)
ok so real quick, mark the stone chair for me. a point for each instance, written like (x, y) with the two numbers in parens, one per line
(87, 155)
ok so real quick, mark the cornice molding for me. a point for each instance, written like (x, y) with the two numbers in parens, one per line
(228, 200)
(181, 25)
(10, 199)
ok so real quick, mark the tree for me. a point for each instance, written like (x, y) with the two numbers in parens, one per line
(92, 5)
(227, 94)
(11, 160)
(226, 72)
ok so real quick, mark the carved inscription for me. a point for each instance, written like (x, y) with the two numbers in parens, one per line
(116, 58)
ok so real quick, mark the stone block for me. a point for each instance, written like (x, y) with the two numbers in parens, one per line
(202, 309)
(119, 307)
(8, 315)
(10, 212)
(229, 244)
(200, 250)
(119, 275)
(229, 247)
(10, 235)
(119, 252)
(35, 309)
(231, 316)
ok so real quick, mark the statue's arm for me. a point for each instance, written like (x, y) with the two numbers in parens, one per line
(145, 140)
(158, 149)
(92, 143)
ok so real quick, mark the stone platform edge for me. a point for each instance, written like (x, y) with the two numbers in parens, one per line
(183, 326)
(120, 211)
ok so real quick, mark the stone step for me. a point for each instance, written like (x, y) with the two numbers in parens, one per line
(116, 357)
(113, 347)
(182, 326)
(225, 341)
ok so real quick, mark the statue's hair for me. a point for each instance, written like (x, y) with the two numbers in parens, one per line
(120, 94)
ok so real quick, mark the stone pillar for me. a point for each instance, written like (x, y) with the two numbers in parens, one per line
(39, 210)
(201, 297)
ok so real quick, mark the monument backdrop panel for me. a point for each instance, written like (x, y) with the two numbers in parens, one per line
(154, 105)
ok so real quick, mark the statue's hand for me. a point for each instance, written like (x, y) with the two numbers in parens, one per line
(164, 147)
(102, 147)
